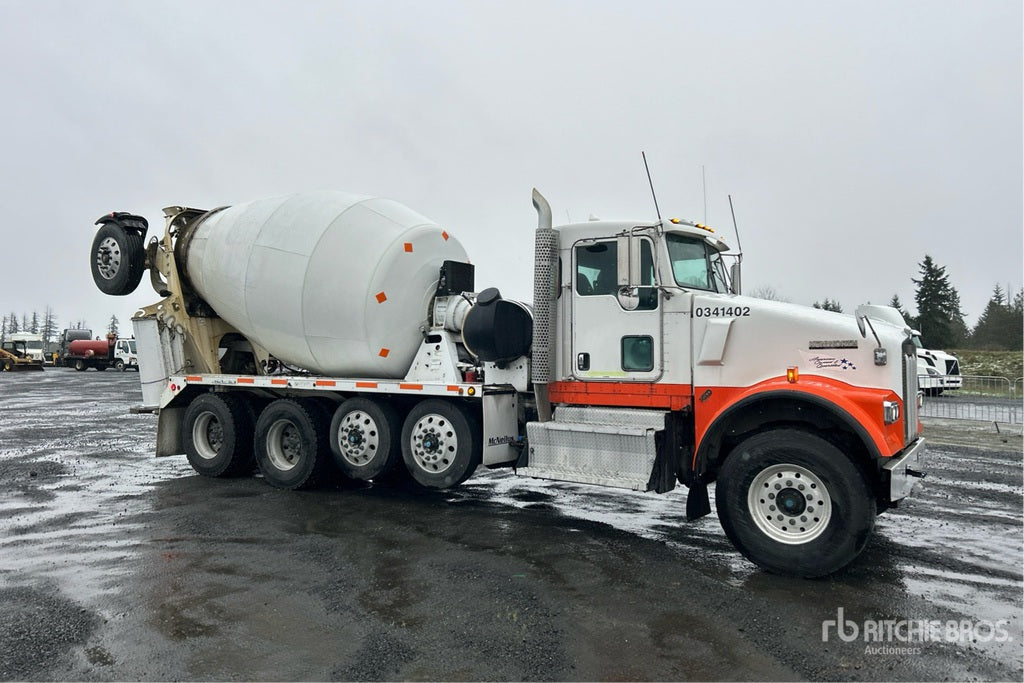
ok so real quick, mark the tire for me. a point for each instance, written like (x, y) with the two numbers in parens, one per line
(832, 507)
(217, 433)
(119, 365)
(117, 259)
(8, 366)
(441, 444)
(80, 365)
(291, 443)
(365, 437)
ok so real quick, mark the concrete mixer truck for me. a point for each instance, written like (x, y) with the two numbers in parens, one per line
(324, 332)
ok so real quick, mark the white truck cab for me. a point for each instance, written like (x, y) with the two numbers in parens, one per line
(33, 344)
(126, 356)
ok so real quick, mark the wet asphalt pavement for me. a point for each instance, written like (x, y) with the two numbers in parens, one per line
(115, 565)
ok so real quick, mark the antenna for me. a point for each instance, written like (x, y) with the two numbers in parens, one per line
(736, 270)
(735, 228)
(651, 183)
(704, 185)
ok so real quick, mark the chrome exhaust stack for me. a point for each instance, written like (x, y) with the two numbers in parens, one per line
(545, 291)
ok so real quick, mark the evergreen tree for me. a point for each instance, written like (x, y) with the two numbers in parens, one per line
(1015, 335)
(112, 325)
(33, 325)
(829, 305)
(987, 332)
(939, 318)
(3, 328)
(12, 323)
(895, 302)
(1001, 325)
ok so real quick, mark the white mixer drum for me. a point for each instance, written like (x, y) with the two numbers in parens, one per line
(336, 283)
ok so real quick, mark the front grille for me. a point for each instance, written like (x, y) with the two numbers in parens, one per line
(910, 409)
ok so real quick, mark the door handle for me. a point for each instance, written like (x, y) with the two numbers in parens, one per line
(582, 361)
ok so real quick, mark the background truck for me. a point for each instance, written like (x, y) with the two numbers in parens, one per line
(33, 344)
(63, 357)
(638, 365)
(111, 352)
(14, 357)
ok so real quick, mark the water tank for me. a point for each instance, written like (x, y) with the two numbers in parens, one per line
(332, 282)
(89, 347)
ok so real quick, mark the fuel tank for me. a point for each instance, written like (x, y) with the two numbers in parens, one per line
(335, 283)
(89, 347)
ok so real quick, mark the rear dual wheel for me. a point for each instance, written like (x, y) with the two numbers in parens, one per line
(291, 443)
(217, 434)
(441, 443)
(364, 438)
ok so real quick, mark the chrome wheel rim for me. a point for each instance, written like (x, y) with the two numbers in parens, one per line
(434, 444)
(108, 258)
(789, 504)
(358, 438)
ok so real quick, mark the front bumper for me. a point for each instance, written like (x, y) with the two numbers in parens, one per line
(903, 471)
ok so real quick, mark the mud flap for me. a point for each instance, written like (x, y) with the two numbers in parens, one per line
(697, 503)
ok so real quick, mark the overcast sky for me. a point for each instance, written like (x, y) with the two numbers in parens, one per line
(854, 137)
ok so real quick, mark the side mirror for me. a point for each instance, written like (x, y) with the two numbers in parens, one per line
(623, 264)
(629, 298)
(627, 260)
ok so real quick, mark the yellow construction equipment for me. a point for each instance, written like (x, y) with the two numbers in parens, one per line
(14, 357)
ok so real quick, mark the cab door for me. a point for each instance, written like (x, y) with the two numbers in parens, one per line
(609, 342)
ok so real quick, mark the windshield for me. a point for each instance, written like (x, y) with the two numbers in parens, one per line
(695, 264)
(34, 345)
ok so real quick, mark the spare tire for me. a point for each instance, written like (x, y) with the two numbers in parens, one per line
(117, 260)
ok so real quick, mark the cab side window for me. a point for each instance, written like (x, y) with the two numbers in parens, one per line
(596, 269)
(597, 275)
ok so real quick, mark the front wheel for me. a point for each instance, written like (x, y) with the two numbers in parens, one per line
(8, 366)
(80, 365)
(441, 444)
(119, 365)
(794, 504)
